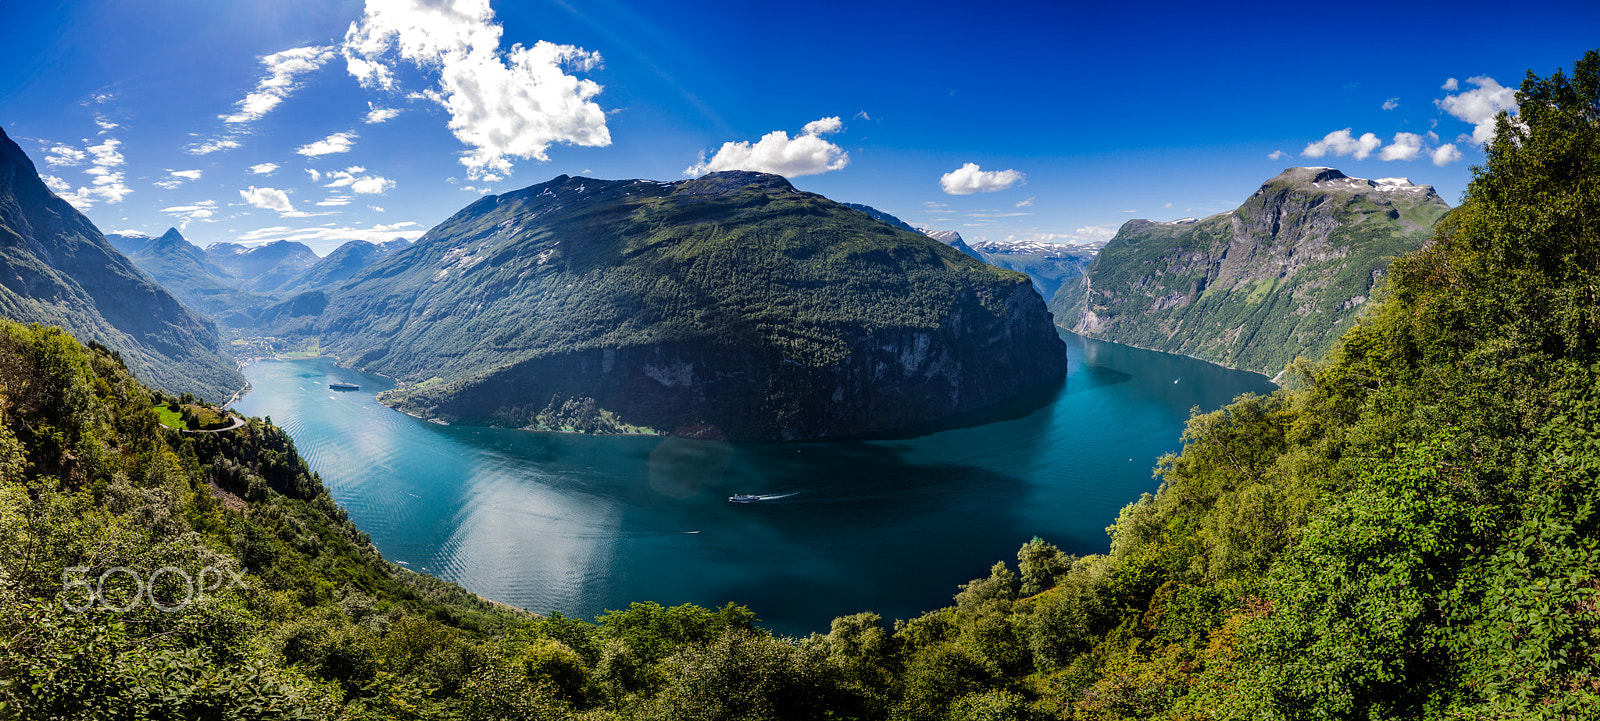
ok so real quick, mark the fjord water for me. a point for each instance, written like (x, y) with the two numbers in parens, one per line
(581, 524)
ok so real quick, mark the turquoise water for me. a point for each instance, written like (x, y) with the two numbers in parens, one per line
(578, 524)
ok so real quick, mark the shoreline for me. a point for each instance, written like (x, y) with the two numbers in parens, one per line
(1270, 379)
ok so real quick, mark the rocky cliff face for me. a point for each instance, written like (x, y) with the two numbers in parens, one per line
(731, 300)
(1282, 276)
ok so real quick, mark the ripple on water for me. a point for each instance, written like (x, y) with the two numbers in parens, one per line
(583, 524)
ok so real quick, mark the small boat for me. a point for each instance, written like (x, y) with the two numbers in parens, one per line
(743, 498)
(342, 386)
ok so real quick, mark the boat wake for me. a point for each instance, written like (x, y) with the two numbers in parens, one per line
(748, 498)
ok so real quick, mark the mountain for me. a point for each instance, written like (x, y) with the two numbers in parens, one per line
(1282, 276)
(953, 239)
(264, 268)
(129, 243)
(343, 263)
(950, 238)
(56, 268)
(1050, 265)
(187, 272)
(731, 300)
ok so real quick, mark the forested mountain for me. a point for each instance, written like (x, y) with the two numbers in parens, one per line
(1282, 276)
(731, 300)
(56, 268)
(948, 237)
(1406, 531)
(187, 272)
(342, 264)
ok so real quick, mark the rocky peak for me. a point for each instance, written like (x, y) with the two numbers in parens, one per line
(733, 181)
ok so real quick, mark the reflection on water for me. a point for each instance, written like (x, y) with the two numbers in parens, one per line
(581, 524)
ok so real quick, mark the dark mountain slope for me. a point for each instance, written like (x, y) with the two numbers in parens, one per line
(56, 268)
(731, 300)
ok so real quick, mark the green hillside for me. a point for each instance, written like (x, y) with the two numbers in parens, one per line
(1280, 277)
(732, 300)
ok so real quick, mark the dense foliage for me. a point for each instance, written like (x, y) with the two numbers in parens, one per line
(1409, 531)
(1282, 276)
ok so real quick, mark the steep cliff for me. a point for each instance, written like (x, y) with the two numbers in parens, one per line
(731, 300)
(1282, 276)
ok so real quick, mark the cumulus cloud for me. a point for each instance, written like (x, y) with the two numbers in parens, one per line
(1450, 85)
(106, 126)
(357, 181)
(264, 168)
(315, 175)
(211, 146)
(805, 154)
(1391, 103)
(56, 184)
(1445, 155)
(1480, 106)
(1406, 146)
(969, 179)
(267, 199)
(507, 104)
(377, 114)
(279, 81)
(1277, 155)
(1341, 142)
(336, 143)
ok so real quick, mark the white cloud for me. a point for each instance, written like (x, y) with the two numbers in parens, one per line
(106, 183)
(804, 154)
(376, 208)
(503, 104)
(328, 238)
(377, 114)
(968, 179)
(1445, 155)
(1406, 146)
(65, 155)
(279, 81)
(264, 168)
(202, 210)
(1391, 103)
(336, 143)
(1277, 155)
(1450, 85)
(334, 200)
(353, 178)
(190, 174)
(106, 126)
(1479, 106)
(315, 176)
(1025, 203)
(1340, 142)
(212, 146)
(267, 199)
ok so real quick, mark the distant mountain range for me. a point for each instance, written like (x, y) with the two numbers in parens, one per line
(731, 305)
(1049, 265)
(234, 283)
(56, 268)
(1282, 276)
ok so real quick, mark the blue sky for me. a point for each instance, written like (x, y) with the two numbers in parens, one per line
(1055, 121)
